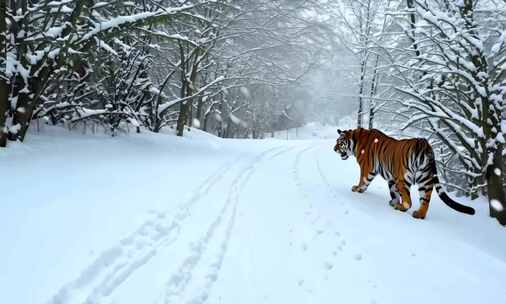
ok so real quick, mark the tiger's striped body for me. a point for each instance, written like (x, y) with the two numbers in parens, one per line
(401, 163)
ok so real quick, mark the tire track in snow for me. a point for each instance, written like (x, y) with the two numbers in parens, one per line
(115, 265)
(215, 266)
(296, 175)
(324, 177)
(178, 288)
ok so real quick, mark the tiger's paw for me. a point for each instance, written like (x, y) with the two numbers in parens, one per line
(418, 215)
(357, 189)
(400, 207)
(393, 202)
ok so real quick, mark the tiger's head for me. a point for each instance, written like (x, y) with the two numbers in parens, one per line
(344, 144)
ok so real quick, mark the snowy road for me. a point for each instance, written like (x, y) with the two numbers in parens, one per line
(270, 222)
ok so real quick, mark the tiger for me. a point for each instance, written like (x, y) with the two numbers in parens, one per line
(401, 163)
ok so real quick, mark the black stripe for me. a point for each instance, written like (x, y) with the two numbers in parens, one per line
(425, 179)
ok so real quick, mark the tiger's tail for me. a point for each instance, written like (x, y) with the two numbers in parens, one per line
(444, 196)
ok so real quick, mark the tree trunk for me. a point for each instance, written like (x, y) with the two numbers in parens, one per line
(187, 89)
(360, 92)
(25, 101)
(190, 115)
(371, 114)
(495, 188)
(24, 109)
(372, 101)
(206, 120)
(198, 115)
(4, 104)
(4, 88)
(228, 131)
(411, 5)
(365, 30)
(183, 117)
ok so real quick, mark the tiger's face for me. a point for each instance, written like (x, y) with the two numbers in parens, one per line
(344, 144)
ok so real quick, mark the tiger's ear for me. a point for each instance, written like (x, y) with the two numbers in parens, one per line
(339, 131)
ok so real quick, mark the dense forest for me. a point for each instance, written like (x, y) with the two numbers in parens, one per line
(244, 69)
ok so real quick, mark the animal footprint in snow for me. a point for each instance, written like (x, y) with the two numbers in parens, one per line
(358, 257)
(212, 277)
(161, 215)
(141, 242)
(304, 247)
(328, 265)
(145, 230)
(162, 228)
(127, 242)
(341, 245)
(317, 234)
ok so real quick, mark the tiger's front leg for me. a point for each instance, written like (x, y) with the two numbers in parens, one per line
(366, 178)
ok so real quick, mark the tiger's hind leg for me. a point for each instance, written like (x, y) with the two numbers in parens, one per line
(425, 193)
(405, 203)
(395, 197)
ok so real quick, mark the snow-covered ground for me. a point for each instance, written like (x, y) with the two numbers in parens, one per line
(158, 219)
(311, 130)
(317, 130)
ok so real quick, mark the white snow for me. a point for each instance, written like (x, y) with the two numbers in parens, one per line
(312, 130)
(497, 171)
(496, 205)
(154, 218)
(196, 123)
